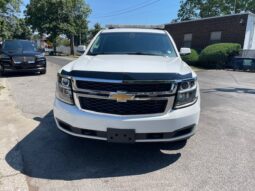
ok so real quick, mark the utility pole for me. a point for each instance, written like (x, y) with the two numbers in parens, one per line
(80, 38)
(235, 7)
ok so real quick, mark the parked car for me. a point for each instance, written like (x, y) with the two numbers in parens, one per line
(21, 55)
(81, 49)
(245, 64)
(244, 61)
(130, 85)
(49, 51)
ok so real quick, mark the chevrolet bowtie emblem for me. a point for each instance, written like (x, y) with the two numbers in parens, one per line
(121, 97)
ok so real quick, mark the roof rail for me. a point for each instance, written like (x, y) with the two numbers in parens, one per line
(136, 26)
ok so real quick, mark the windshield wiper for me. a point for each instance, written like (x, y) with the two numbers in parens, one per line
(143, 53)
(98, 53)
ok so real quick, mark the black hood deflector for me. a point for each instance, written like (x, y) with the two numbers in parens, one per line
(126, 76)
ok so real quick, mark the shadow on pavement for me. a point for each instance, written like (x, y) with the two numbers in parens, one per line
(231, 90)
(19, 74)
(50, 154)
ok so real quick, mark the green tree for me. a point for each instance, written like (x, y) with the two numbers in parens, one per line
(5, 32)
(21, 30)
(61, 41)
(35, 37)
(56, 17)
(92, 32)
(190, 9)
(9, 6)
(78, 11)
(8, 10)
(96, 29)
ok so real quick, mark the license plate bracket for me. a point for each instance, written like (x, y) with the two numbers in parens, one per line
(120, 135)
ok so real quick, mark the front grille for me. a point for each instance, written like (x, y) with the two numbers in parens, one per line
(113, 87)
(135, 107)
(23, 58)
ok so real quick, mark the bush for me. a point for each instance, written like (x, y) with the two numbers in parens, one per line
(218, 55)
(192, 58)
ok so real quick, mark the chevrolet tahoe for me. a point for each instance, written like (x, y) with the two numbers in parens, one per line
(129, 86)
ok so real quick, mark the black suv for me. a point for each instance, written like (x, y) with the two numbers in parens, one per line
(21, 55)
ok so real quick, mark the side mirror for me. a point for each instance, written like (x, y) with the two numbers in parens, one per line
(185, 51)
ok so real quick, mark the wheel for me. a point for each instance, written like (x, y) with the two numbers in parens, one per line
(1, 70)
(43, 71)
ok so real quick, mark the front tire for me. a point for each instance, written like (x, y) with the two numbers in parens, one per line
(43, 71)
(2, 72)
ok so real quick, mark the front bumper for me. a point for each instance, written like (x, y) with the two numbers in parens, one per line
(38, 66)
(173, 126)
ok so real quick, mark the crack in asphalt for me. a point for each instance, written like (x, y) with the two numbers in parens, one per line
(9, 175)
(233, 77)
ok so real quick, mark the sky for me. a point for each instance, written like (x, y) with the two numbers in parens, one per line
(130, 11)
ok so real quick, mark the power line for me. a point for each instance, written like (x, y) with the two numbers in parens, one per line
(128, 10)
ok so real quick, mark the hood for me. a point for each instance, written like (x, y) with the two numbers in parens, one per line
(129, 64)
(21, 53)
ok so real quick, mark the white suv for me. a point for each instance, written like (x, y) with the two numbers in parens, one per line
(130, 85)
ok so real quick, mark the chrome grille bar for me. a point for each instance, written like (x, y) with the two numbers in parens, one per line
(143, 96)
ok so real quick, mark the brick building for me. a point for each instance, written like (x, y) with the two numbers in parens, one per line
(197, 34)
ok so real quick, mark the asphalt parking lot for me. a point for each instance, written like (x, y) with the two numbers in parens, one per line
(219, 157)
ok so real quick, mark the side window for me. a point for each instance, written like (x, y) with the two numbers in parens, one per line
(215, 37)
(187, 40)
(96, 44)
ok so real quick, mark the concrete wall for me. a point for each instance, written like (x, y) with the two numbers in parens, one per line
(66, 49)
(249, 42)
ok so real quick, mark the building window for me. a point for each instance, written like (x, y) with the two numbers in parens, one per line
(187, 40)
(215, 37)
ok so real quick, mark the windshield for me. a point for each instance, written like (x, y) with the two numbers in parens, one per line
(18, 46)
(133, 43)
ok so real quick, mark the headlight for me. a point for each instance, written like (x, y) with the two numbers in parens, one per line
(64, 90)
(187, 93)
(4, 56)
(40, 56)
